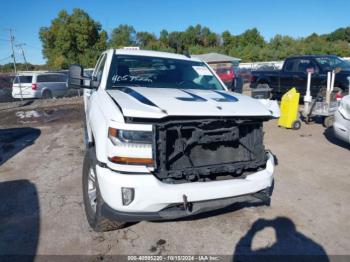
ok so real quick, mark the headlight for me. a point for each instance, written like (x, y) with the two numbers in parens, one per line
(130, 139)
(119, 137)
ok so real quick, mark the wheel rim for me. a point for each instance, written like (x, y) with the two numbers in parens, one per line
(92, 189)
(47, 95)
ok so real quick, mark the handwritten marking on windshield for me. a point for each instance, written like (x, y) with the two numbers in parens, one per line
(130, 78)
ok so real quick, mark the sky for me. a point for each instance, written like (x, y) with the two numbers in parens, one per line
(297, 18)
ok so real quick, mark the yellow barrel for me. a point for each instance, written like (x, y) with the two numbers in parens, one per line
(289, 109)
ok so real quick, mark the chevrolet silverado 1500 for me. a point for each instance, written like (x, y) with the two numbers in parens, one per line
(166, 139)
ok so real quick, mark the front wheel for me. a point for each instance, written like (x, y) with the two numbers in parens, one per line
(328, 121)
(93, 201)
(296, 124)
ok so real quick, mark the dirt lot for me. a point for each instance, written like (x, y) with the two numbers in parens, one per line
(41, 211)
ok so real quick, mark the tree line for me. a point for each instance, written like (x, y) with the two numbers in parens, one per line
(6, 68)
(77, 38)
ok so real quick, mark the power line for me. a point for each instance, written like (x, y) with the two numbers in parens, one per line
(34, 47)
(12, 39)
(2, 59)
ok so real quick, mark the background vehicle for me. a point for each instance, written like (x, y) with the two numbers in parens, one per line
(165, 139)
(341, 125)
(245, 74)
(6, 81)
(226, 74)
(294, 74)
(39, 85)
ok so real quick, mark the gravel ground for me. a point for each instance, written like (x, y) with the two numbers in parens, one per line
(41, 212)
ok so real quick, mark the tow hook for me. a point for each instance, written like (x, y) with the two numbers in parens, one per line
(187, 205)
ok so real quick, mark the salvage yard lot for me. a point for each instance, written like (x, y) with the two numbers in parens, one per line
(41, 153)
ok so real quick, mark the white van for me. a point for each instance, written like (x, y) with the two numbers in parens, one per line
(39, 85)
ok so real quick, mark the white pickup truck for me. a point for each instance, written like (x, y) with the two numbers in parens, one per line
(166, 139)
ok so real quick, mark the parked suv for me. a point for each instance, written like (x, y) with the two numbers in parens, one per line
(166, 139)
(39, 85)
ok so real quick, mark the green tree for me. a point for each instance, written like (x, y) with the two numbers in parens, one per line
(340, 34)
(252, 37)
(123, 35)
(177, 41)
(164, 37)
(74, 38)
(145, 38)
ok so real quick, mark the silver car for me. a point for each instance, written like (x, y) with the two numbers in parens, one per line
(341, 125)
(39, 85)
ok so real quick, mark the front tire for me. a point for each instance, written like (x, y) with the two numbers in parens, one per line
(296, 124)
(266, 87)
(328, 121)
(93, 201)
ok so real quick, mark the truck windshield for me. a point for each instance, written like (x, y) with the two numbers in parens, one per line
(328, 63)
(161, 73)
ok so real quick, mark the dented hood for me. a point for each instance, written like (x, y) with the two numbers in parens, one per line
(147, 102)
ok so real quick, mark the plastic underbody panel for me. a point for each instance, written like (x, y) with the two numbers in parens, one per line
(208, 149)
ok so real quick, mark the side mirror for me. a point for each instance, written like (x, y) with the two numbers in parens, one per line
(76, 78)
(237, 85)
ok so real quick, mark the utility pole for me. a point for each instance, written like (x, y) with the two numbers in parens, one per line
(12, 39)
(20, 46)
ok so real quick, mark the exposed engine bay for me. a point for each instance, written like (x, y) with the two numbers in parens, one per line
(208, 149)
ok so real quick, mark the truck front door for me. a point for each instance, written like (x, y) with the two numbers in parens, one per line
(288, 75)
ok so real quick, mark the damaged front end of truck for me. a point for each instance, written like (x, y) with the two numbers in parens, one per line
(207, 149)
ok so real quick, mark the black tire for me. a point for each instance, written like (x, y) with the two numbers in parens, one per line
(296, 124)
(265, 86)
(96, 220)
(328, 121)
(47, 94)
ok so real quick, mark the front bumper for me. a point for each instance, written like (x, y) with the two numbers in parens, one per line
(179, 210)
(152, 196)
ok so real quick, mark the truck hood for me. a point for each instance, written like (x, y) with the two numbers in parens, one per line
(147, 102)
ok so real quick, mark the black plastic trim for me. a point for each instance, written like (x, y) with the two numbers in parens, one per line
(177, 211)
(104, 165)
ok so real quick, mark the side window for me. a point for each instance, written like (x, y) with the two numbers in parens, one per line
(60, 78)
(54, 78)
(99, 70)
(51, 78)
(305, 64)
(289, 67)
(43, 78)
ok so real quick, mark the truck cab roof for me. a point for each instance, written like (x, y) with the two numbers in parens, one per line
(309, 56)
(153, 54)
